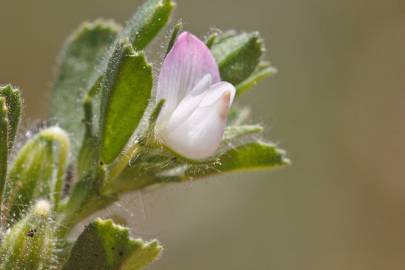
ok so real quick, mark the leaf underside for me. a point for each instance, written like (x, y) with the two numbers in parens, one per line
(83, 51)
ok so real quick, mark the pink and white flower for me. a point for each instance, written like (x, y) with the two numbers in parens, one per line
(197, 102)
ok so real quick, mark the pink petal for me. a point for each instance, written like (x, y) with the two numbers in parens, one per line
(185, 65)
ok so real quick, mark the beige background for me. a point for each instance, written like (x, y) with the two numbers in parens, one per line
(337, 106)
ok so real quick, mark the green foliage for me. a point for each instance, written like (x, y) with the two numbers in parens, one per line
(160, 167)
(235, 132)
(102, 100)
(175, 32)
(37, 172)
(140, 30)
(81, 53)
(10, 114)
(30, 244)
(151, 17)
(14, 103)
(85, 199)
(255, 155)
(263, 70)
(106, 246)
(239, 57)
(126, 91)
(3, 143)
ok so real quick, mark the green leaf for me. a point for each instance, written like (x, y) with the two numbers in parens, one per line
(37, 172)
(14, 103)
(160, 168)
(3, 143)
(140, 30)
(255, 155)
(235, 132)
(81, 54)
(106, 246)
(142, 148)
(30, 244)
(250, 156)
(125, 95)
(237, 55)
(146, 23)
(263, 71)
(224, 35)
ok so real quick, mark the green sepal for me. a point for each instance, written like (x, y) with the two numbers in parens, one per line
(37, 172)
(30, 244)
(175, 32)
(210, 40)
(14, 103)
(126, 91)
(106, 246)
(81, 54)
(149, 136)
(237, 55)
(4, 130)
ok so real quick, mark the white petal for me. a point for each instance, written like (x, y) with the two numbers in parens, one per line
(200, 135)
(189, 103)
(215, 91)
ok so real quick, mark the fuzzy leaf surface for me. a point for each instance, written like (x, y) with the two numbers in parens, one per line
(106, 246)
(125, 95)
(30, 244)
(83, 51)
(251, 156)
(264, 70)
(37, 172)
(146, 23)
(235, 132)
(14, 103)
(237, 55)
(140, 30)
(161, 167)
(3, 143)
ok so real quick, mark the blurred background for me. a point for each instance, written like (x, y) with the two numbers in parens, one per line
(337, 105)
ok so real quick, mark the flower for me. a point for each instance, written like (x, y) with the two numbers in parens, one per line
(194, 116)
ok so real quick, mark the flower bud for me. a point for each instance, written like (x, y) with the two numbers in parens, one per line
(37, 172)
(29, 244)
